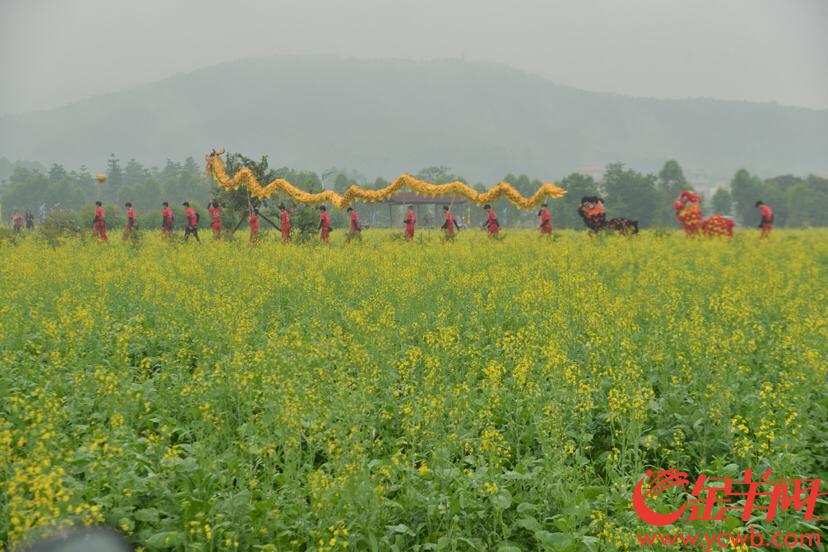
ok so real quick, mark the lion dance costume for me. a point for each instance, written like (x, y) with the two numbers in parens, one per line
(595, 217)
(689, 214)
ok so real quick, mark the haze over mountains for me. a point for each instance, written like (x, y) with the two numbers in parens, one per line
(384, 117)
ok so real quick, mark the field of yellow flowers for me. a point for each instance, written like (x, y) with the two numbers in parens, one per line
(474, 395)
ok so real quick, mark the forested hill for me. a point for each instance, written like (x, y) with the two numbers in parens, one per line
(383, 117)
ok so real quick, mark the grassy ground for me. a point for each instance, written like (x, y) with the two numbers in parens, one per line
(390, 395)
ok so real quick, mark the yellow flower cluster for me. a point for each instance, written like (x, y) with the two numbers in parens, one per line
(245, 177)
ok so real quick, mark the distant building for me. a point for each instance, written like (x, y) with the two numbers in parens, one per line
(595, 171)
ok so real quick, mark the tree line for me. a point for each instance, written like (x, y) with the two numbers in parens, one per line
(646, 197)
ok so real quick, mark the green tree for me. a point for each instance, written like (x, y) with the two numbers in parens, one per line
(817, 193)
(134, 173)
(379, 183)
(437, 175)
(671, 182)
(722, 203)
(341, 183)
(745, 190)
(565, 211)
(239, 201)
(775, 193)
(630, 194)
(114, 180)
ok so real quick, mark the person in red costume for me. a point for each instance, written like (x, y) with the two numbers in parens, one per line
(766, 224)
(491, 223)
(449, 223)
(254, 225)
(18, 221)
(192, 221)
(355, 229)
(545, 226)
(410, 221)
(284, 222)
(99, 222)
(166, 219)
(132, 221)
(215, 218)
(324, 224)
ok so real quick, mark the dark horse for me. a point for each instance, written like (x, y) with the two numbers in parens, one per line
(595, 218)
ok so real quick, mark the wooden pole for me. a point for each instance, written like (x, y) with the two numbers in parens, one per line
(241, 220)
(270, 221)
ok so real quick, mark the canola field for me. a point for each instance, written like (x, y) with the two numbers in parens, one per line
(474, 395)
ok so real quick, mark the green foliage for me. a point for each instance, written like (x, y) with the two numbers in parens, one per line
(671, 182)
(565, 211)
(745, 190)
(797, 202)
(437, 175)
(29, 186)
(379, 183)
(341, 183)
(305, 223)
(9, 236)
(630, 194)
(722, 202)
(239, 201)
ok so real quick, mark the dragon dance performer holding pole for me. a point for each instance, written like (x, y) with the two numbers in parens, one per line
(545, 226)
(492, 225)
(99, 222)
(215, 218)
(449, 223)
(270, 222)
(166, 219)
(132, 221)
(355, 229)
(410, 221)
(192, 222)
(324, 224)
(284, 220)
(253, 221)
(766, 223)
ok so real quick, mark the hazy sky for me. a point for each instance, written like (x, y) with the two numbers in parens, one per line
(56, 51)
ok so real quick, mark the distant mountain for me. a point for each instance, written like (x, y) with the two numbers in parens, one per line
(384, 117)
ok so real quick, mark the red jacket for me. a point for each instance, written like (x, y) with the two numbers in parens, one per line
(215, 214)
(491, 222)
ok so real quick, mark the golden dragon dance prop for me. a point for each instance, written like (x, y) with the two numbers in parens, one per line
(245, 177)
